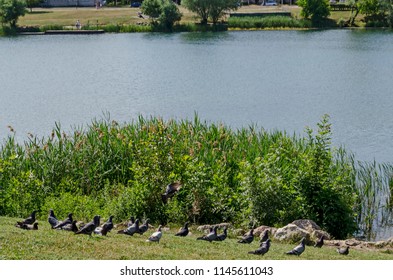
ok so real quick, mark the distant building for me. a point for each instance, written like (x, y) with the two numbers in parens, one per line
(69, 3)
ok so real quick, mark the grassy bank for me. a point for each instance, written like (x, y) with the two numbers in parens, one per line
(46, 243)
(124, 17)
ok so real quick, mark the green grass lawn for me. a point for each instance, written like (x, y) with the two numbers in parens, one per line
(129, 16)
(45, 243)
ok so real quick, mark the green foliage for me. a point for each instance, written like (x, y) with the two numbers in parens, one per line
(11, 10)
(213, 9)
(316, 10)
(377, 12)
(164, 13)
(242, 176)
(267, 22)
(170, 14)
(152, 8)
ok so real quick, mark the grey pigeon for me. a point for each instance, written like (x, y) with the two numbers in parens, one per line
(65, 222)
(144, 227)
(71, 227)
(299, 249)
(90, 227)
(156, 236)
(52, 219)
(134, 228)
(263, 249)
(105, 228)
(247, 238)
(264, 237)
(319, 242)
(222, 236)
(212, 236)
(170, 191)
(343, 251)
(183, 231)
(31, 219)
(30, 227)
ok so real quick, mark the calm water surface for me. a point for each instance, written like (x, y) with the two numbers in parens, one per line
(276, 79)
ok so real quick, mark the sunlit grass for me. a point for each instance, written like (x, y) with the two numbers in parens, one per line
(45, 243)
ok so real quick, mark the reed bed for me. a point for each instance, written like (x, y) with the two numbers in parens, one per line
(267, 22)
(247, 176)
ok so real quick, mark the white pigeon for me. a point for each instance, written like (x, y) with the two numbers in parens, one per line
(156, 236)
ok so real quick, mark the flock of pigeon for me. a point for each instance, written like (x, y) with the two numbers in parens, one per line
(133, 227)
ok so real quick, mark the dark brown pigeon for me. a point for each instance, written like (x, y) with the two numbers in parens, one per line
(343, 251)
(265, 236)
(183, 231)
(31, 219)
(263, 249)
(90, 227)
(144, 227)
(319, 242)
(222, 236)
(52, 219)
(131, 230)
(212, 236)
(299, 249)
(247, 238)
(65, 222)
(170, 191)
(71, 227)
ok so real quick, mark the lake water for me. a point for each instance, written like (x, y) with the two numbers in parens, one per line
(282, 80)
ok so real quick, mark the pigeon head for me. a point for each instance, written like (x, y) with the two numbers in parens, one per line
(110, 218)
(70, 216)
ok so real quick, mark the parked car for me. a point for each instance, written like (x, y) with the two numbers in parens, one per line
(135, 4)
(269, 3)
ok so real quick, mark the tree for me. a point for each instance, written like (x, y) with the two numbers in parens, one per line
(169, 15)
(316, 10)
(214, 9)
(152, 8)
(165, 12)
(11, 10)
(33, 3)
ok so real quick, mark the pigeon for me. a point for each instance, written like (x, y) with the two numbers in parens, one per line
(131, 222)
(144, 227)
(222, 236)
(106, 227)
(247, 238)
(31, 219)
(90, 227)
(299, 249)
(134, 228)
(70, 227)
(170, 191)
(212, 236)
(343, 251)
(183, 231)
(263, 249)
(156, 236)
(65, 222)
(319, 242)
(52, 219)
(264, 237)
(30, 227)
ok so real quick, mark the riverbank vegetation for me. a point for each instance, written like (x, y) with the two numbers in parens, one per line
(125, 19)
(247, 177)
